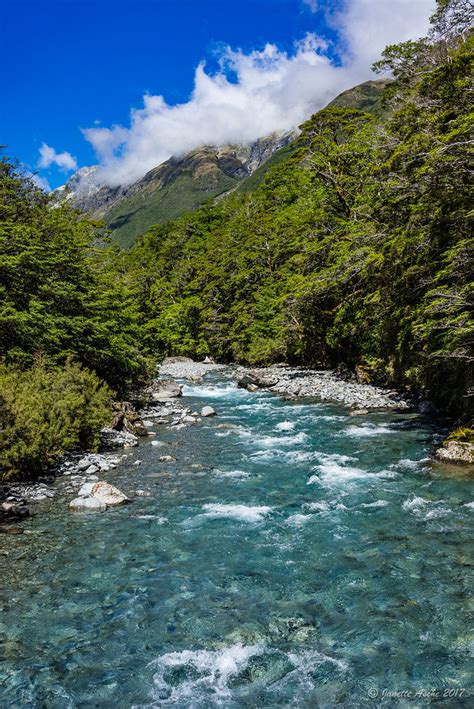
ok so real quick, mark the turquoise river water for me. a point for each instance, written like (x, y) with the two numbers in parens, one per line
(291, 556)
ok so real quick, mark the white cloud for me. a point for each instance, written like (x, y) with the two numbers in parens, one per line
(271, 90)
(48, 156)
(312, 4)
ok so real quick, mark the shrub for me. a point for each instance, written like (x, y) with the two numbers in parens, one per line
(45, 412)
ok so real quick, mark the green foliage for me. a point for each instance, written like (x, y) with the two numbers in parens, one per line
(466, 435)
(57, 294)
(355, 248)
(46, 412)
(134, 216)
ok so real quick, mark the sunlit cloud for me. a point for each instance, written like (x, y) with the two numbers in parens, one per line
(256, 93)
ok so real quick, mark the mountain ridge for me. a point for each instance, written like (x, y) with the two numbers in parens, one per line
(183, 183)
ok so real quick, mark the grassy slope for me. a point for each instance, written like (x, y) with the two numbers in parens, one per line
(133, 217)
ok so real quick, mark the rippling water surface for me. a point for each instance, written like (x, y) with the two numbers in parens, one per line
(292, 556)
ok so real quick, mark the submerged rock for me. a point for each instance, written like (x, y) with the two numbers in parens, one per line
(358, 412)
(13, 510)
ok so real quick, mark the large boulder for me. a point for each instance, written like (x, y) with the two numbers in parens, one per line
(257, 378)
(456, 452)
(87, 504)
(165, 389)
(208, 411)
(108, 494)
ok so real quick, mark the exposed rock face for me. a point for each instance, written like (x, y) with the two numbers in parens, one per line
(456, 452)
(178, 185)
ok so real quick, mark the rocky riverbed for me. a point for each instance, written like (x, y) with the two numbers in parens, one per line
(166, 408)
(281, 552)
(293, 382)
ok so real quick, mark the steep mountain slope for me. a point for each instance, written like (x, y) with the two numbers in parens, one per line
(176, 186)
(366, 97)
(181, 184)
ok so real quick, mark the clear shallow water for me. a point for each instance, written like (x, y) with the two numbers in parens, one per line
(292, 556)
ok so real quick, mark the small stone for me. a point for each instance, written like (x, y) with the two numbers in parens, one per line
(155, 444)
(166, 459)
(358, 412)
(12, 530)
(137, 462)
(142, 493)
(92, 469)
(189, 419)
(208, 411)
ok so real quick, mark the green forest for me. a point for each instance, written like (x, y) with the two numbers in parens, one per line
(354, 250)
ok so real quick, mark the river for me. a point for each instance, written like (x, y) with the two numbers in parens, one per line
(291, 556)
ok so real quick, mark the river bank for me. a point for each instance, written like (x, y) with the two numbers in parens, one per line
(280, 552)
(166, 409)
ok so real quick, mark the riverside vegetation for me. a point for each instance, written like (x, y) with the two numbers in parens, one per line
(354, 250)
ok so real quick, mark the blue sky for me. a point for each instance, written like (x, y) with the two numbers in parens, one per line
(69, 65)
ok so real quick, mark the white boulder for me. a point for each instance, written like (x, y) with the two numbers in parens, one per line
(87, 504)
(208, 411)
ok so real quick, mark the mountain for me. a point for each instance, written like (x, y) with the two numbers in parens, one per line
(176, 186)
(183, 183)
(366, 97)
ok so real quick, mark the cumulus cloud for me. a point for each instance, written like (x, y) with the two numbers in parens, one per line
(312, 4)
(257, 93)
(48, 156)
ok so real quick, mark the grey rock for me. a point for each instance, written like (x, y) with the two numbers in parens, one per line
(108, 494)
(165, 389)
(87, 504)
(86, 489)
(456, 452)
(208, 411)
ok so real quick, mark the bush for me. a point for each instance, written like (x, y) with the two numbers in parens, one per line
(45, 412)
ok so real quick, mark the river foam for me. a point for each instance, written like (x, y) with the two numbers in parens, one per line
(243, 513)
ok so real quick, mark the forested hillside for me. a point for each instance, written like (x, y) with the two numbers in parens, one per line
(69, 335)
(355, 249)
